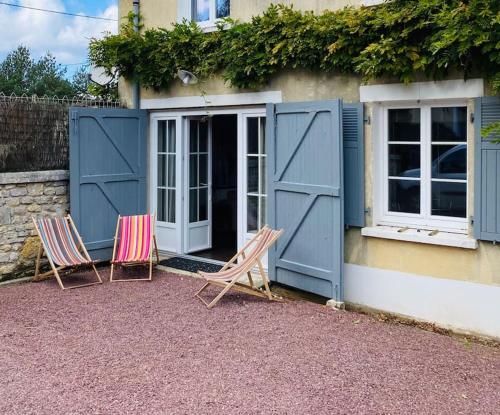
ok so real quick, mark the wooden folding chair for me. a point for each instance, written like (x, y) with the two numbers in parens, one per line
(251, 255)
(136, 242)
(57, 237)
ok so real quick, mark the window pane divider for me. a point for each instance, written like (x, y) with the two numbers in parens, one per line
(417, 143)
(449, 180)
(404, 178)
(449, 143)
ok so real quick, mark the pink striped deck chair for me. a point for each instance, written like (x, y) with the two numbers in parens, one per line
(57, 237)
(134, 243)
(230, 274)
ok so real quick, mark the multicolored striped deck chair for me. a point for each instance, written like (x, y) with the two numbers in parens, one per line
(57, 236)
(251, 255)
(134, 242)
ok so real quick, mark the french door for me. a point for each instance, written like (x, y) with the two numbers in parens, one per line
(198, 187)
(181, 183)
(165, 181)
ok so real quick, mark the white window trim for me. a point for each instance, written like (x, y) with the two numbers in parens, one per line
(380, 145)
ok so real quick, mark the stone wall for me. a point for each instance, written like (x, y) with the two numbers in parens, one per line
(23, 195)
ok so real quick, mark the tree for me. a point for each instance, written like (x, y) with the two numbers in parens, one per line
(21, 74)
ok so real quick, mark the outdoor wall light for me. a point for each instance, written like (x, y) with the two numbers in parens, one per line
(187, 78)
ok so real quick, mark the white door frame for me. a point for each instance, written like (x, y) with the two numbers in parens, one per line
(173, 241)
(186, 188)
(181, 178)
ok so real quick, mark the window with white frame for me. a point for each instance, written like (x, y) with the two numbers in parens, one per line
(256, 173)
(206, 12)
(424, 171)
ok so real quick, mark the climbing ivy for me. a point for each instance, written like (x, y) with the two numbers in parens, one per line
(400, 39)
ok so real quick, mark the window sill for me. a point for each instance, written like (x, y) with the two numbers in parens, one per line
(413, 235)
(210, 26)
(368, 3)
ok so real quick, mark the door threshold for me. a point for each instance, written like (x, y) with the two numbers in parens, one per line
(203, 259)
(167, 255)
(189, 263)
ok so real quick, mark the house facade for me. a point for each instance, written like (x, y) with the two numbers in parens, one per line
(418, 252)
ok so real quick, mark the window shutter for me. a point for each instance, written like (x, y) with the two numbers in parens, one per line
(354, 164)
(183, 10)
(486, 172)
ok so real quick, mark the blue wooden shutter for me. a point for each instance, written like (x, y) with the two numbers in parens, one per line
(108, 172)
(486, 172)
(354, 164)
(305, 195)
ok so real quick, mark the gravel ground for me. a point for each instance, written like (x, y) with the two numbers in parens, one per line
(151, 348)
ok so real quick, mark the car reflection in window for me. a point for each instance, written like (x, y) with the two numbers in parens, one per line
(448, 197)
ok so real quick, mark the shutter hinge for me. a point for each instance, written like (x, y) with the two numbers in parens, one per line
(471, 220)
(368, 211)
(367, 120)
(74, 117)
(472, 118)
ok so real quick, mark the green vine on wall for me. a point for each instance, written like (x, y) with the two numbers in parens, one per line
(399, 39)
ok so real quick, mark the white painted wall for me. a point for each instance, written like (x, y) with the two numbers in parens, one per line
(457, 305)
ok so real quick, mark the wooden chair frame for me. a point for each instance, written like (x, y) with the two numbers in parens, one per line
(131, 264)
(250, 288)
(67, 268)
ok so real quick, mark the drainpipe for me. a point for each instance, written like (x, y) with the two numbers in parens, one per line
(136, 89)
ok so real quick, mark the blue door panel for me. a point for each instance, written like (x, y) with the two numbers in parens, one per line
(305, 176)
(108, 172)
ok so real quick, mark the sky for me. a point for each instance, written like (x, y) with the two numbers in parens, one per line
(65, 37)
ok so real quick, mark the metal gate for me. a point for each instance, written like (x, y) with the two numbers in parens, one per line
(108, 171)
(305, 173)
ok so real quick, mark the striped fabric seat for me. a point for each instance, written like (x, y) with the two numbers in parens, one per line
(251, 255)
(135, 239)
(59, 242)
(260, 246)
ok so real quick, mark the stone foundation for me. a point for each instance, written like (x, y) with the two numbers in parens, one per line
(23, 195)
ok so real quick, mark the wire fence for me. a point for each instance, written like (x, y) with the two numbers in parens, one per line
(34, 131)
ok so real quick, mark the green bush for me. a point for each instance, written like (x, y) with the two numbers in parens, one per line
(400, 38)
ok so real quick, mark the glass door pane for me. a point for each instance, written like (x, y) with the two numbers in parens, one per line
(198, 171)
(256, 185)
(166, 180)
(198, 224)
(165, 169)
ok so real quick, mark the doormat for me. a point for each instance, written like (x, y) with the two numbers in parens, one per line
(190, 265)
